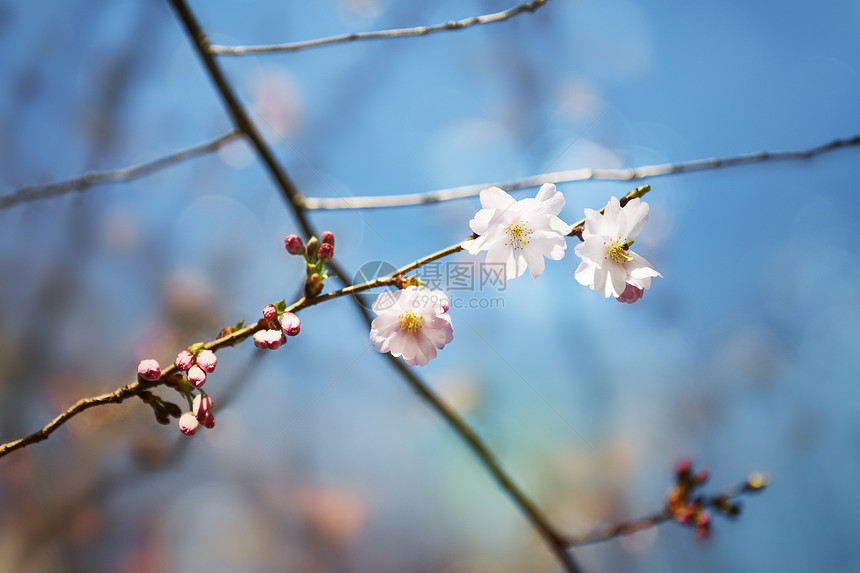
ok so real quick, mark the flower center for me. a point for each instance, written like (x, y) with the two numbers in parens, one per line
(518, 234)
(617, 252)
(410, 322)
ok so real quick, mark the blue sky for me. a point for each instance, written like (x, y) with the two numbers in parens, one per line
(742, 357)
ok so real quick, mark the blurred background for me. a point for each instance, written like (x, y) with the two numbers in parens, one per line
(743, 357)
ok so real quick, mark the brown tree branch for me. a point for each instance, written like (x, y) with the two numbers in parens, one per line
(81, 405)
(87, 180)
(381, 34)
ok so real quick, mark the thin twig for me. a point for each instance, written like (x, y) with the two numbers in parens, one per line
(81, 405)
(33, 192)
(380, 34)
(571, 176)
(237, 113)
(634, 525)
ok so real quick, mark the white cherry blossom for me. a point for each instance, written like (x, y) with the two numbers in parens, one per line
(519, 234)
(608, 265)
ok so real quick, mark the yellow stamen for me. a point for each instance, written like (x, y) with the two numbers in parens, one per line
(410, 322)
(617, 252)
(518, 234)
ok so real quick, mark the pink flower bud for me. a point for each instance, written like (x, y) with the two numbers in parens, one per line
(196, 376)
(631, 294)
(202, 410)
(327, 238)
(290, 324)
(688, 513)
(325, 252)
(184, 360)
(269, 339)
(207, 360)
(683, 468)
(149, 369)
(703, 525)
(294, 245)
(188, 423)
(270, 312)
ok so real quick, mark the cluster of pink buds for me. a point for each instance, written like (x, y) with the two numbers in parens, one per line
(197, 362)
(276, 325)
(200, 415)
(316, 253)
(681, 504)
(691, 510)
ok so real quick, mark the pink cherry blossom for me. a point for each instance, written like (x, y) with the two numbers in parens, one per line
(412, 324)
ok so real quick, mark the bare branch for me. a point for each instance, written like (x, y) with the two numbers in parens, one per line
(34, 192)
(753, 485)
(81, 405)
(395, 33)
(573, 175)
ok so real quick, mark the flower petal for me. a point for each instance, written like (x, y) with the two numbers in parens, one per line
(636, 212)
(534, 259)
(552, 199)
(617, 280)
(584, 274)
(495, 198)
(385, 300)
